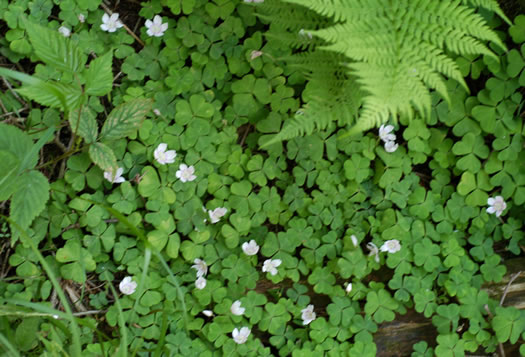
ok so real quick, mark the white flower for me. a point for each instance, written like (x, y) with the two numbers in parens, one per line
(164, 157)
(241, 336)
(56, 317)
(127, 286)
(270, 266)
(497, 205)
(250, 248)
(254, 1)
(236, 308)
(216, 214)
(208, 313)
(156, 111)
(111, 23)
(308, 314)
(391, 146)
(355, 242)
(391, 246)
(108, 175)
(185, 173)
(81, 18)
(385, 133)
(255, 54)
(156, 28)
(373, 250)
(64, 31)
(348, 288)
(200, 283)
(201, 267)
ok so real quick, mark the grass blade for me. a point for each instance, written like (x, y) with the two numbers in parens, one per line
(76, 347)
(140, 234)
(123, 348)
(8, 346)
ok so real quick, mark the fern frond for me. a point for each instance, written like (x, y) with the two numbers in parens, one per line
(341, 10)
(491, 5)
(288, 18)
(326, 105)
(396, 59)
(395, 49)
(293, 40)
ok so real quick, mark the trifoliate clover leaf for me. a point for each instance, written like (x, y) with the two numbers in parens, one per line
(426, 255)
(508, 323)
(380, 305)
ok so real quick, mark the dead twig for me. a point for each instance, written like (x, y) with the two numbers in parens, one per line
(245, 134)
(89, 312)
(3, 106)
(511, 280)
(58, 142)
(74, 298)
(8, 114)
(15, 94)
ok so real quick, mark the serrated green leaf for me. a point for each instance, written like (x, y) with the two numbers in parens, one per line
(8, 182)
(35, 148)
(17, 143)
(125, 119)
(30, 198)
(19, 76)
(82, 121)
(55, 49)
(103, 156)
(53, 94)
(99, 76)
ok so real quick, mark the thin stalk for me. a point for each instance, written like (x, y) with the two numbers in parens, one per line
(76, 347)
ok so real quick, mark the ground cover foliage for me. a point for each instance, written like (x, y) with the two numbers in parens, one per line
(348, 233)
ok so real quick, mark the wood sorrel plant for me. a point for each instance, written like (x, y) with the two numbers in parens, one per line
(202, 242)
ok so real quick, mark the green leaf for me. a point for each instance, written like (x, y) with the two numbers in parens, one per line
(172, 249)
(103, 156)
(125, 119)
(99, 76)
(517, 31)
(242, 224)
(491, 269)
(380, 305)
(19, 144)
(30, 198)
(19, 76)
(425, 254)
(54, 49)
(26, 333)
(450, 346)
(53, 94)
(231, 237)
(467, 183)
(82, 121)
(508, 323)
(8, 182)
(149, 184)
(158, 239)
(35, 148)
